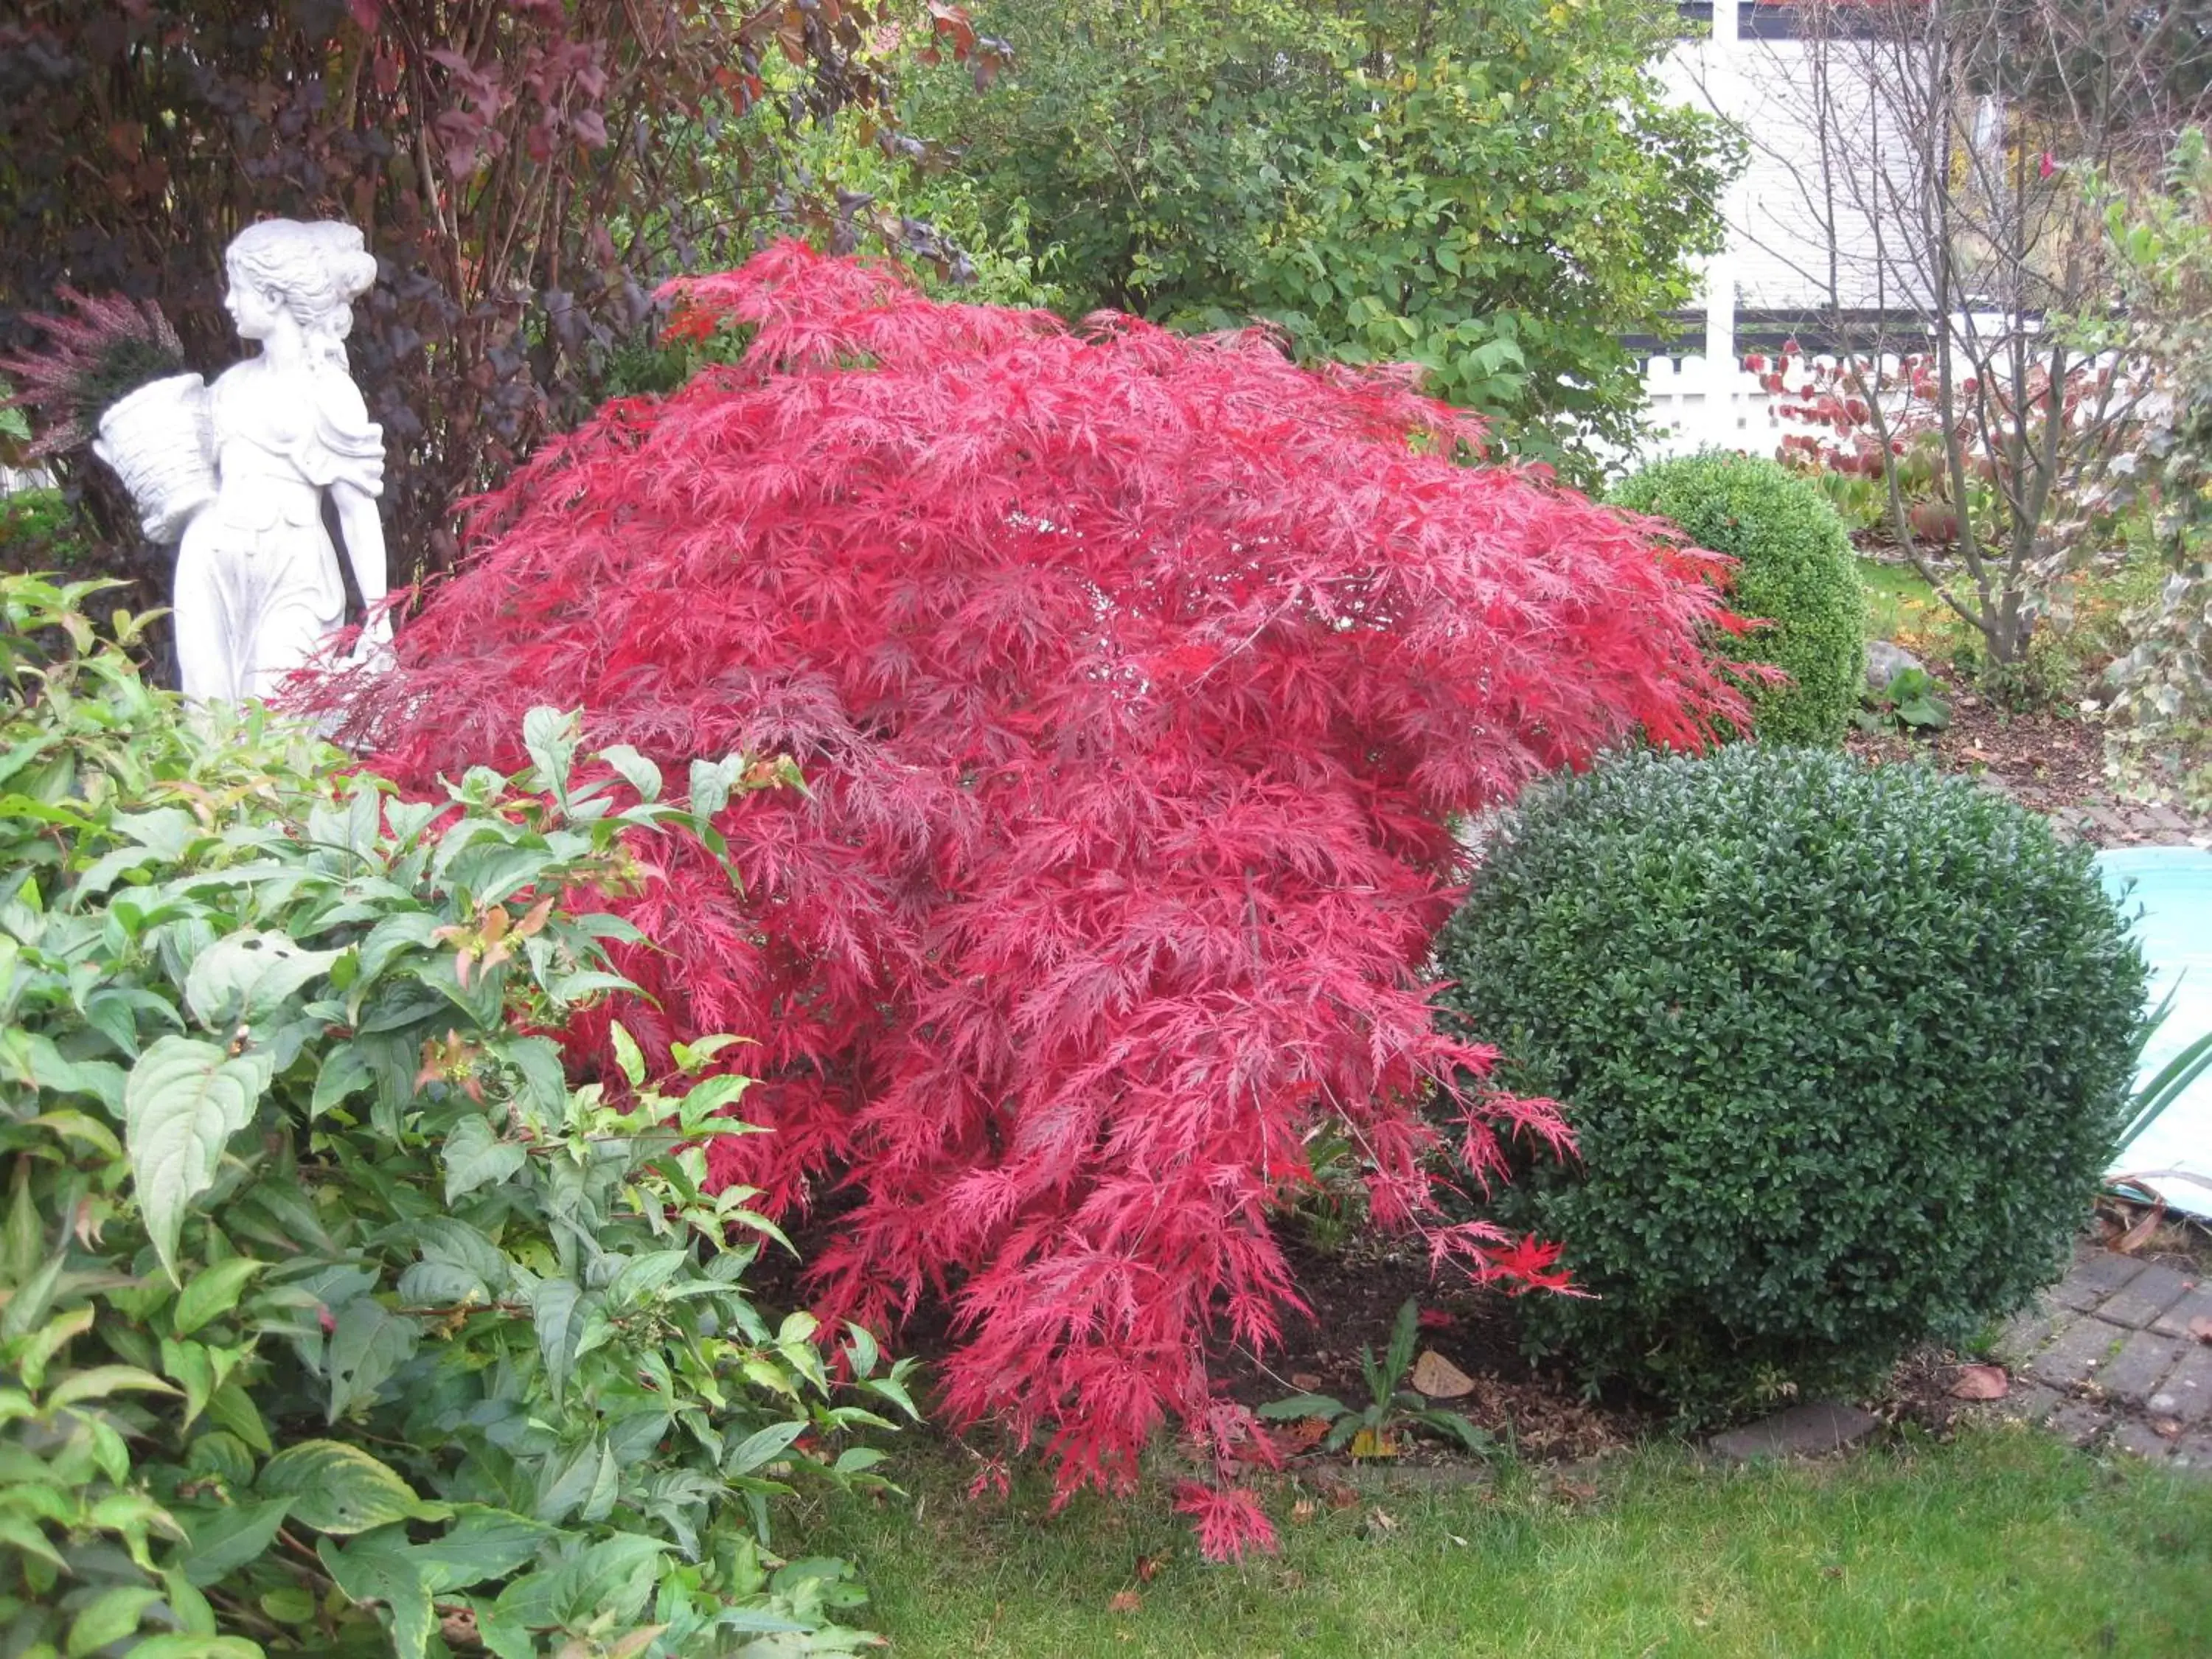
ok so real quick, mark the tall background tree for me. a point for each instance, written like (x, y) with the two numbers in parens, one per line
(1952, 137)
(525, 170)
(1497, 190)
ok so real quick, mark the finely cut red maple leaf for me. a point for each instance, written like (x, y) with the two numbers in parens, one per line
(1138, 682)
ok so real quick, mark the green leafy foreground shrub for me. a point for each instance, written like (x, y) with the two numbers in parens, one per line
(334, 1320)
(39, 531)
(1796, 572)
(1845, 1050)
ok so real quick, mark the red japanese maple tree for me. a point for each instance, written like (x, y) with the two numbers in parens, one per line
(1137, 681)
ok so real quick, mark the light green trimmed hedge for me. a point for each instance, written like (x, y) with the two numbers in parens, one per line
(1797, 572)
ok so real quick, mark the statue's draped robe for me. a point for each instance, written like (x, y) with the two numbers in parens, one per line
(257, 586)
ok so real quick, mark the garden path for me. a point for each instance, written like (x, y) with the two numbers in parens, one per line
(2118, 1354)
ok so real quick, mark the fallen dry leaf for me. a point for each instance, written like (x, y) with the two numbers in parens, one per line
(2140, 1235)
(1300, 1435)
(1125, 1601)
(1372, 1443)
(1380, 1520)
(1981, 1383)
(1304, 1510)
(1148, 1567)
(1307, 1383)
(1339, 1496)
(1438, 1378)
(2166, 1428)
(1575, 1491)
(2201, 1327)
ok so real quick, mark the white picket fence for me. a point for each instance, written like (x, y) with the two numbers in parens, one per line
(1693, 403)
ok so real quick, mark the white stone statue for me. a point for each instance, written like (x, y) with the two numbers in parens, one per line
(240, 468)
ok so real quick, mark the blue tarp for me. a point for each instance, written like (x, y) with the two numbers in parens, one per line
(2171, 888)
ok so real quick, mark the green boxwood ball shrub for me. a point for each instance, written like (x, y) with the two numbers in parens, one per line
(1796, 573)
(1845, 1049)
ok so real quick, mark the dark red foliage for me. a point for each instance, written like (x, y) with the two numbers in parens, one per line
(1138, 681)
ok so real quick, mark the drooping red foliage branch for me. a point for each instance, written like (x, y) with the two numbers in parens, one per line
(1137, 680)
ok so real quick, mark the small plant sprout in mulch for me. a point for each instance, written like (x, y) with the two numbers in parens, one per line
(1914, 701)
(1370, 1431)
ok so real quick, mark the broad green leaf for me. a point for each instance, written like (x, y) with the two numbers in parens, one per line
(223, 1455)
(578, 1483)
(763, 1446)
(446, 1238)
(288, 1606)
(27, 1309)
(408, 819)
(368, 1345)
(193, 1615)
(23, 1235)
(1301, 1405)
(134, 1516)
(212, 1292)
(233, 1409)
(862, 1349)
(345, 1071)
(109, 1617)
(481, 1544)
(382, 1569)
(37, 1351)
(185, 1100)
(475, 1156)
(627, 1055)
(710, 784)
(441, 1284)
(550, 735)
(247, 975)
(337, 1488)
(166, 830)
(642, 1276)
(20, 1533)
(85, 1131)
(180, 1646)
(409, 930)
(189, 1365)
(223, 1541)
(544, 1085)
(641, 773)
(553, 1308)
(102, 1381)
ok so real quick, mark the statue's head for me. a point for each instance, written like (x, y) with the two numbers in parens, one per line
(309, 272)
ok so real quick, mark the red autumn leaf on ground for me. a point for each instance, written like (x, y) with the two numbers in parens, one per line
(1138, 682)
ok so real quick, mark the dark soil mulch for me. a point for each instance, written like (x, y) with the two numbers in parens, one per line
(2050, 760)
(1355, 1295)
(2047, 759)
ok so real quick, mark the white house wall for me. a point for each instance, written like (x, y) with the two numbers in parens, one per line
(1801, 231)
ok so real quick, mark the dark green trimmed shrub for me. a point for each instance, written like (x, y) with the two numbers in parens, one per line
(1845, 1049)
(1796, 573)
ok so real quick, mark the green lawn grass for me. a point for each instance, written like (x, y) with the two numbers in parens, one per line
(1898, 600)
(2001, 1542)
